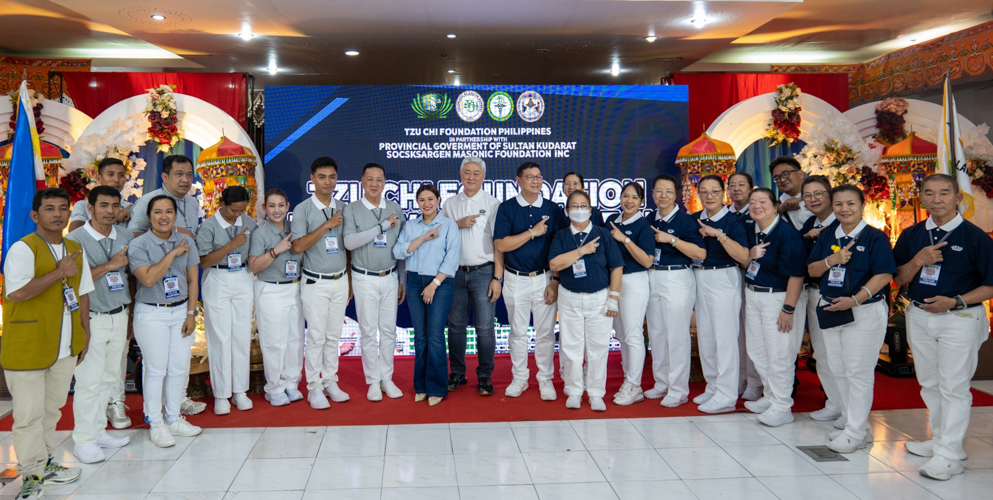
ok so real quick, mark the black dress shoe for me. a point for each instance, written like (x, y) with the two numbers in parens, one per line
(455, 380)
(485, 387)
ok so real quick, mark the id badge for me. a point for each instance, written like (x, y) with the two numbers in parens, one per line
(234, 262)
(114, 281)
(171, 285)
(380, 241)
(836, 276)
(753, 270)
(697, 263)
(331, 245)
(579, 269)
(658, 256)
(70, 296)
(291, 269)
(929, 274)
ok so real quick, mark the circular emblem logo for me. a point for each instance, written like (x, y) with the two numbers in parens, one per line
(469, 106)
(500, 106)
(530, 106)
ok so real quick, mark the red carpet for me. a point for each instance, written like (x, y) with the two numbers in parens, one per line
(464, 405)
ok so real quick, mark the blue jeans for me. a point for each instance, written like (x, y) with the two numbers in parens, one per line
(472, 288)
(430, 369)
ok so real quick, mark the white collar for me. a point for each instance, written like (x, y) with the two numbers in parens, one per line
(320, 205)
(522, 202)
(720, 214)
(736, 211)
(368, 204)
(669, 216)
(96, 235)
(952, 224)
(167, 193)
(476, 197)
(768, 229)
(840, 233)
(224, 224)
(637, 216)
(827, 222)
(574, 231)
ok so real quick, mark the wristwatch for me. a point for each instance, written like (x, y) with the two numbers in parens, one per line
(959, 303)
(498, 279)
(789, 309)
(627, 240)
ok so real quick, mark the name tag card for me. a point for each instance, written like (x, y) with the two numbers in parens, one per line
(234, 262)
(291, 269)
(171, 285)
(70, 296)
(930, 274)
(753, 270)
(836, 276)
(579, 268)
(380, 241)
(114, 281)
(330, 245)
(658, 256)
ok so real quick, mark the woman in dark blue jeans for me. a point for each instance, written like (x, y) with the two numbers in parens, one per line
(430, 248)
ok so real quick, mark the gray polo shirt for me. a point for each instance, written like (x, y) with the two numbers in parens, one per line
(99, 250)
(307, 217)
(265, 238)
(80, 213)
(187, 211)
(362, 216)
(215, 232)
(148, 250)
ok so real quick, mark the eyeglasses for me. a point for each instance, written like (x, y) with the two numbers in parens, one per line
(815, 194)
(532, 178)
(784, 176)
(708, 194)
(578, 207)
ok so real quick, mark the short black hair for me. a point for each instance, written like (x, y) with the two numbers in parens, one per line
(151, 203)
(666, 177)
(582, 180)
(429, 188)
(638, 189)
(817, 179)
(323, 162)
(99, 191)
(110, 161)
(373, 165)
(849, 188)
(170, 160)
(526, 165)
(746, 175)
(712, 177)
(942, 177)
(47, 194)
(579, 192)
(768, 192)
(234, 194)
(784, 160)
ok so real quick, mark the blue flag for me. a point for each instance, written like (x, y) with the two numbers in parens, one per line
(25, 163)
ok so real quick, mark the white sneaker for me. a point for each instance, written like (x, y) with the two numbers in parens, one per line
(713, 406)
(293, 394)
(277, 399)
(655, 393)
(834, 435)
(845, 444)
(242, 402)
(516, 388)
(337, 395)
(107, 440)
(670, 401)
(759, 406)
(624, 389)
(825, 414)
(841, 422)
(117, 415)
(57, 474)
(703, 398)
(190, 407)
(391, 389)
(597, 404)
(573, 402)
(374, 393)
(161, 437)
(920, 448)
(631, 396)
(183, 428)
(941, 468)
(775, 418)
(547, 390)
(752, 393)
(317, 400)
(89, 454)
(221, 406)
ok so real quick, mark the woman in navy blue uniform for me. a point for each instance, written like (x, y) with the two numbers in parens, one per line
(572, 181)
(854, 263)
(740, 186)
(590, 267)
(673, 292)
(773, 323)
(718, 290)
(633, 234)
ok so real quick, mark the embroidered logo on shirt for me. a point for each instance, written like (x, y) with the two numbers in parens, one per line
(672, 231)
(627, 233)
(860, 248)
(956, 248)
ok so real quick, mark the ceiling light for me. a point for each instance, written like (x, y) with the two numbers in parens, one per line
(158, 17)
(457, 82)
(451, 71)
(651, 38)
(451, 35)
(272, 69)
(246, 35)
(351, 52)
(698, 22)
(615, 69)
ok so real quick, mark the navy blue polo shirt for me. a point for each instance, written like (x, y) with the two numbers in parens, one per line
(746, 220)
(871, 255)
(515, 216)
(641, 234)
(967, 259)
(681, 225)
(785, 257)
(598, 264)
(728, 222)
(808, 244)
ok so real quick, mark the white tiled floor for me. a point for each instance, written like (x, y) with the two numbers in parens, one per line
(705, 457)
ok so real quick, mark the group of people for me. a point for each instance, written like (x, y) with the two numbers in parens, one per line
(756, 272)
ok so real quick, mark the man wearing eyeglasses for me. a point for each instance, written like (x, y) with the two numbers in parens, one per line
(788, 176)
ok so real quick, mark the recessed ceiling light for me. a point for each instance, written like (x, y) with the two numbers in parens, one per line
(615, 69)
(272, 69)
(351, 52)
(451, 35)
(246, 35)
(158, 17)
(651, 38)
(457, 82)
(698, 22)
(451, 71)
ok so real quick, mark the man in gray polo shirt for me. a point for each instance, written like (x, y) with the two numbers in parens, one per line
(372, 226)
(317, 227)
(177, 180)
(110, 172)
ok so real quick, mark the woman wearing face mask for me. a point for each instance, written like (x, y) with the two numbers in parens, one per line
(635, 238)
(773, 323)
(855, 264)
(672, 293)
(718, 291)
(590, 267)
(430, 246)
(816, 192)
(222, 242)
(278, 310)
(574, 181)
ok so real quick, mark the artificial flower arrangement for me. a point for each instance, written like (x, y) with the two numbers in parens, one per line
(121, 140)
(786, 117)
(160, 108)
(36, 106)
(979, 156)
(890, 121)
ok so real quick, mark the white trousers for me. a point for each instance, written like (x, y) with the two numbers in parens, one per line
(227, 322)
(747, 375)
(584, 328)
(376, 308)
(774, 352)
(117, 390)
(718, 297)
(825, 373)
(670, 306)
(98, 375)
(629, 325)
(165, 358)
(524, 296)
(279, 316)
(946, 351)
(852, 352)
(324, 309)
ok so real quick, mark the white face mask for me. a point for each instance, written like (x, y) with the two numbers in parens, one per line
(579, 215)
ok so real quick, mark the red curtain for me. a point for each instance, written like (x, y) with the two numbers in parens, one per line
(713, 93)
(92, 93)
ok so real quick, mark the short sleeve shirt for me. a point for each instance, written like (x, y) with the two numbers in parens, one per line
(148, 250)
(785, 257)
(187, 211)
(681, 225)
(727, 222)
(216, 232)
(99, 249)
(640, 231)
(967, 259)
(516, 216)
(597, 264)
(871, 255)
(308, 215)
(265, 238)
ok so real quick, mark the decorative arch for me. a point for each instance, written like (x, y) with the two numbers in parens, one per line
(63, 124)
(921, 116)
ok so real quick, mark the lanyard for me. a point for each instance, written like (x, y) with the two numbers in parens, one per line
(325, 214)
(943, 238)
(232, 230)
(51, 248)
(108, 249)
(582, 238)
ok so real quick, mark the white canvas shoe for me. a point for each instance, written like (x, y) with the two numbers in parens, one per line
(670, 401)
(713, 406)
(760, 406)
(161, 437)
(318, 400)
(89, 454)
(920, 448)
(183, 428)
(337, 395)
(631, 396)
(221, 406)
(277, 399)
(293, 394)
(703, 398)
(845, 444)
(516, 388)
(547, 390)
(390, 389)
(242, 402)
(825, 414)
(655, 393)
(597, 404)
(941, 468)
(776, 418)
(375, 393)
(752, 393)
(573, 402)
(107, 440)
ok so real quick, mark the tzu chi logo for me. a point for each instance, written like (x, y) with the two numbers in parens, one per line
(431, 105)
(469, 106)
(530, 106)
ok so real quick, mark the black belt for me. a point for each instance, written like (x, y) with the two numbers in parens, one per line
(112, 311)
(670, 268)
(724, 266)
(322, 276)
(531, 274)
(469, 269)
(920, 305)
(174, 304)
(219, 266)
(765, 289)
(816, 286)
(374, 273)
(283, 282)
